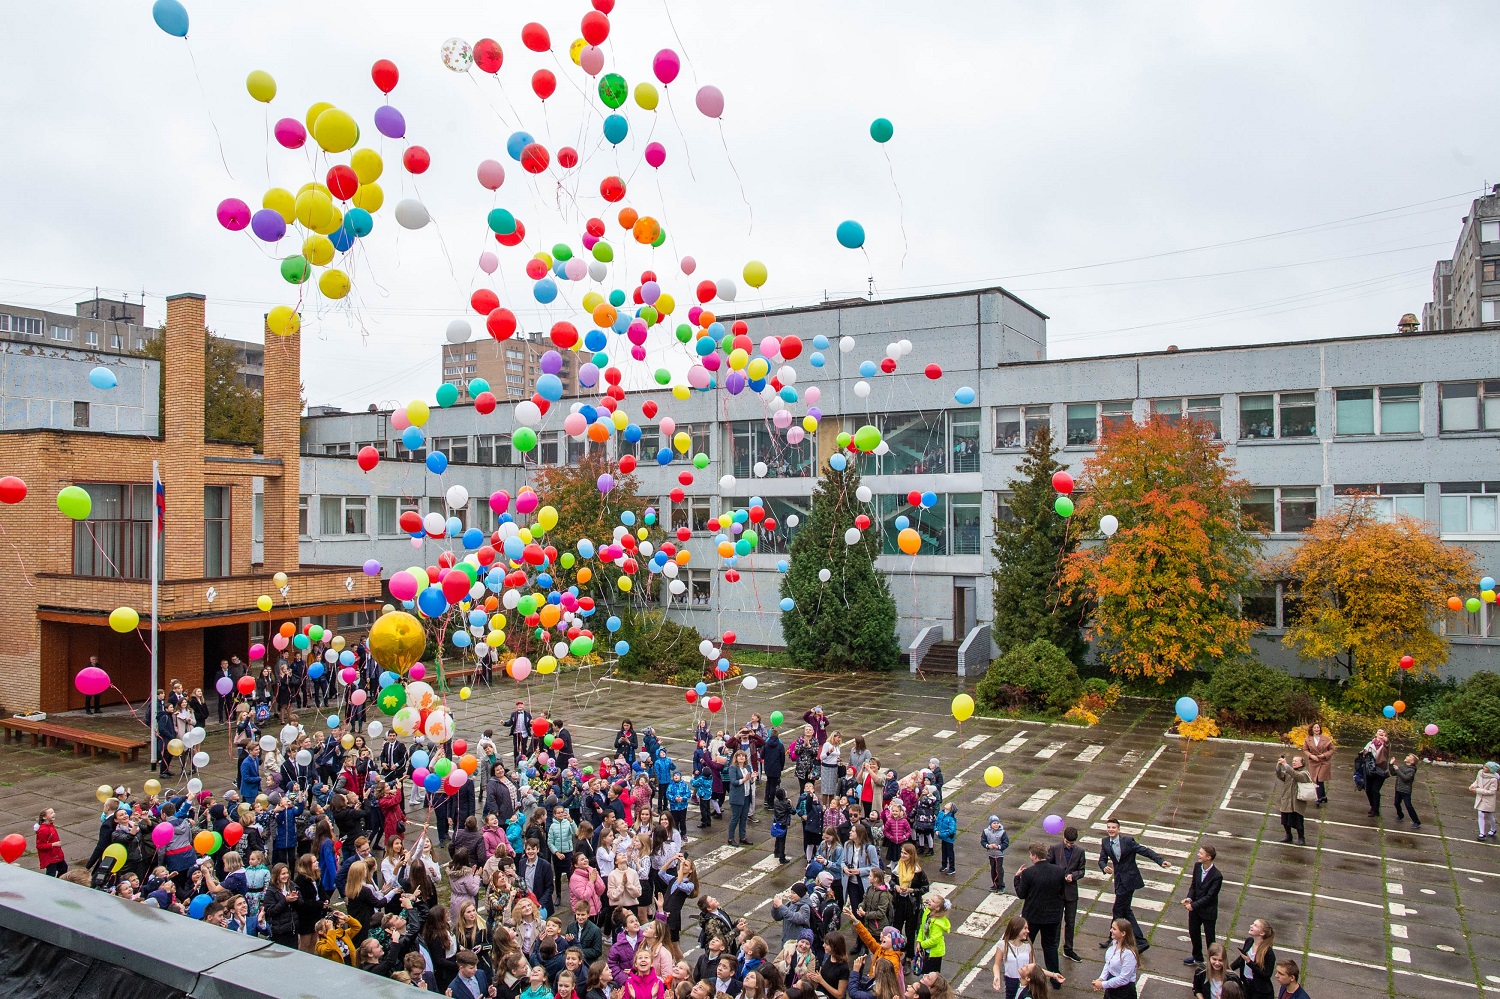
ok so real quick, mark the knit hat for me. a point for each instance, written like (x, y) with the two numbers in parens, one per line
(1492, 767)
(933, 763)
(799, 889)
(825, 879)
(994, 818)
(805, 935)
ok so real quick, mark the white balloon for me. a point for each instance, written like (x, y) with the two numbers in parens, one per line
(598, 271)
(197, 734)
(267, 743)
(1108, 525)
(851, 536)
(459, 331)
(412, 214)
(435, 524)
(760, 470)
(905, 347)
(750, 682)
(677, 586)
(863, 494)
(726, 483)
(824, 575)
(787, 374)
(670, 570)
(893, 351)
(330, 657)
(376, 729)
(304, 757)
(200, 759)
(706, 648)
(458, 497)
(289, 732)
(846, 344)
(793, 520)
(510, 599)
(726, 289)
(527, 413)
(560, 650)
(881, 448)
(195, 786)
(862, 389)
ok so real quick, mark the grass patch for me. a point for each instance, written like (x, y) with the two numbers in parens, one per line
(773, 659)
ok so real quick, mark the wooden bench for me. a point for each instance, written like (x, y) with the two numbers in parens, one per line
(81, 739)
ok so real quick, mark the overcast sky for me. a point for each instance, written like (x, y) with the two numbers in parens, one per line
(1198, 151)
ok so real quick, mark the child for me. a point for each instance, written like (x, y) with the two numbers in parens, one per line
(946, 828)
(1288, 977)
(1486, 783)
(677, 793)
(995, 841)
(932, 931)
(875, 908)
(1406, 776)
(472, 981)
(935, 777)
(924, 822)
(811, 810)
(663, 768)
(703, 789)
(49, 854)
(781, 819)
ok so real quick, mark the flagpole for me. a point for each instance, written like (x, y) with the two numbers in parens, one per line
(155, 573)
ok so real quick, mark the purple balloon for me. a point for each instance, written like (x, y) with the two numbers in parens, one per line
(551, 362)
(389, 122)
(234, 214)
(815, 412)
(268, 225)
(606, 482)
(1053, 824)
(588, 375)
(224, 686)
(734, 382)
(372, 568)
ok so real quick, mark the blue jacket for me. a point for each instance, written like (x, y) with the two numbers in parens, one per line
(664, 768)
(286, 827)
(679, 792)
(328, 865)
(651, 744)
(946, 826)
(459, 990)
(249, 779)
(703, 786)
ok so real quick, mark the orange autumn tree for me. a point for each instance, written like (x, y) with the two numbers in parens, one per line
(1371, 592)
(1167, 586)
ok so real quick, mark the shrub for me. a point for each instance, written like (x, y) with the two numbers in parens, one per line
(1202, 727)
(1048, 677)
(1354, 728)
(1468, 718)
(1251, 692)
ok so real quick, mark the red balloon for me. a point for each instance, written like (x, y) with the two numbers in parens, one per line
(604, 6)
(385, 74)
(12, 490)
(595, 227)
(514, 238)
(342, 182)
(542, 404)
(649, 409)
(539, 727)
(11, 848)
(484, 301)
(731, 575)
(488, 55)
(485, 554)
(613, 375)
(770, 523)
(416, 160)
(691, 695)
(447, 560)
(564, 334)
(1062, 482)
(934, 371)
(410, 522)
(544, 83)
(1407, 662)
(535, 37)
(715, 702)
(627, 464)
(535, 269)
(791, 347)
(629, 566)
(368, 457)
(567, 157)
(484, 403)
(684, 533)
(232, 833)
(612, 189)
(456, 586)
(888, 365)
(862, 522)
(685, 477)
(913, 498)
(245, 685)
(706, 291)
(595, 28)
(729, 637)
(500, 322)
(677, 495)
(535, 158)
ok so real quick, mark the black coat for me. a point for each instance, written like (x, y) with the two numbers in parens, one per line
(1203, 892)
(310, 905)
(540, 884)
(1040, 887)
(280, 913)
(773, 757)
(1262, 985)
(1077, 866)
(1127, 874)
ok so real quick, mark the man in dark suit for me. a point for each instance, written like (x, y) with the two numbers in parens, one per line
(1117, 855)
(393, 757)
(519, 724)
(1039, 886)
(536, 873)
(1202, 902)
(295, 774)
(1073, 862)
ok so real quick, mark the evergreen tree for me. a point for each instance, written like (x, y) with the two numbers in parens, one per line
(1031, 602)
(849, 622)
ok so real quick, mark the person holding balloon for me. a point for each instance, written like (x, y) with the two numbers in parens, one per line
(91, 704)
(1377, 756)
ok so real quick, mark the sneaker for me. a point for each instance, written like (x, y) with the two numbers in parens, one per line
(1073, 955)
(1104, 945)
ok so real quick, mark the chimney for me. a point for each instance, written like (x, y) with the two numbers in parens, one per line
(281, 439)
(1408, 324)
(186, 342)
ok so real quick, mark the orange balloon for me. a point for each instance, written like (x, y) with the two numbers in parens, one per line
(646, 230)
(628, 217)
(706, 319)
(1400, 706)
(605, 315)
(468, 763)
(550, 614)
(288, 629)
(491, 604)
(204, 842)
(684, 556)
(584, 575)
(599, 431)
(726, 549)
(1455, 604)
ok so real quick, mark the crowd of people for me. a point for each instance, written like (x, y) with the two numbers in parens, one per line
(571, 880)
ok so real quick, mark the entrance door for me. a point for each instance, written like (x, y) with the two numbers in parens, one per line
(962, 612)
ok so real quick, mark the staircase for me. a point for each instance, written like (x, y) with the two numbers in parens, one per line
(941, 658)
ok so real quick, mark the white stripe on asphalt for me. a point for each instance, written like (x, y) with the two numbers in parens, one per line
(946, 733)
(1050, 751)
(1085, 806)
(1037, 800)
(898, 736)
(1089, 754)
(971, 743)
(1016, 742)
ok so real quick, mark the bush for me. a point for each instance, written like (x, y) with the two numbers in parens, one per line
(1048, 677)
(1248, 691)
(1468, 718)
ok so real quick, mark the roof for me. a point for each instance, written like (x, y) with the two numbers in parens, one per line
(850, 303)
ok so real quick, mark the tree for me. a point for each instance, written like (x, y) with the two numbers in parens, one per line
(1038, 670)
(1371, 592)
(231, 411)
(1167, 586)
(585, 512)
(1030, 600)
(849, 622)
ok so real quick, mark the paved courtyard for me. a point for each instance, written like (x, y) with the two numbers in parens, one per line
(1366, 909)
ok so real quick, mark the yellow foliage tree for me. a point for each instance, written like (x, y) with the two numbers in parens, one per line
(1371, 591)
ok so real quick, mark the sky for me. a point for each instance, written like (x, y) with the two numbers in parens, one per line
(1179, 173)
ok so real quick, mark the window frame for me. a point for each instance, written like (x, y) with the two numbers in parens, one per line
(82, 414)
(1378, 405)
(1467, 492)
(303, 505)
(1278, 500)
(1186, 410)
(128, 535)
(1384, 498)
(225, 522)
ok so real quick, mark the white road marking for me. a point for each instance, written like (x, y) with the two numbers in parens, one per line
(946, 733)
(1037, 800)
(767, 863)
(1016, 742)
(898, 736)
(1398, 931)
(953, 785)
(715, 855)
(1135, 780)
(744, 880)
(1401, 955)
(1050, 751)
(971, 743)
(1130, 757)
(987, 797)
(1235, 782)
(1085, 806)
(1089, 754)
(1320, 897)
(1394, 888)
(977, 925)
(1397, 909)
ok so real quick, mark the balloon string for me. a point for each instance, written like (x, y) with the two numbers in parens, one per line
(680, 45)
(734, 168)
(20, 560)
(900, 204)
(209, 111)
(493, 109)
(687, 151)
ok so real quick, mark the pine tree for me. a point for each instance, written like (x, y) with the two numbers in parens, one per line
(849, 622)
(1031, 601)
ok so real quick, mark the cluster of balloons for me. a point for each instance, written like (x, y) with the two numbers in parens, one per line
(1472, 604)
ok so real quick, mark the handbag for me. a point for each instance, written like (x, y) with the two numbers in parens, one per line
(1307, 791)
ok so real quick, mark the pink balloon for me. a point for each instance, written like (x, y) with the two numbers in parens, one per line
(280, 642)
(770, 346)
(591, 59)
(357, 697)
(161, 834)
(520, 668)
(290, 133)
(576, 269)
(234, 214)
(488, 262)
(656, 154)
(782, 418)
(1431, 729)
(666, 65)
(457, 777)
(710, 101)
(575, 424)
(812, 395)
(224, 685)
(668, 426)
(348, 674)
(419, 775)
(589, 239)
(91, 680)
(257, 651)
(499, 501)
(403, 585)
(698, 376)
(417, 672)
(491, 174)
(689, 265)
(400, 420)
(795, 435)
(526, 502)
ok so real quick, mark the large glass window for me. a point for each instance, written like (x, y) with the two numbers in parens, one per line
(965, 510)
(1205, 409)
(916, 442)
(342, 515)
(492, 449)
(1388, 500)
(216, 548)
(1278, 414)
(646, 447)
(1388, 409)
(456, 448)
(388, 511)
(546, 451)
(753, 442)
(931, 524)
(963, 440)
(1280, 509)
(115, 540)
(1470, 508)
(1083, 423)
(1469, 406)
(1017, 426)
(1259, 605)
(691, 513)
(697, 588)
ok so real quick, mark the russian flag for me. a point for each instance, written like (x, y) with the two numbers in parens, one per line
(161, 505)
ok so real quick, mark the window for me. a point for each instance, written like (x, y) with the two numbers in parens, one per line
(140, 343)
(481, 515)
(1259, 605)
(515, 380)
(1083, 423)
(916, 444)
(692, 513)
(80, 414)
(1003, 512)
(1297, 414)
(90, 338)
(931, 524)
(1389, 409)
(379, 447)
(696, 588)
(115, 343)
(1017, 426)
(548, 449)
(699, 434)
(456, 448)
(1280, 509)
(963, 440)
(1490, 269)
(753, 442)
(515, 366)
(1462, 624)
(216, 547)
(1470, 508)
(492, 449)
(1205, 410)
(22, 325)
(964, 509)
(62, 334)
(400, 452)
(115, 540)
(1389, 499)
(343, 450)
(1489, 230)
(1469, 406)
(781, 511)
(302, 516)
(1113, 415)
(1489, 310)
(258, 519)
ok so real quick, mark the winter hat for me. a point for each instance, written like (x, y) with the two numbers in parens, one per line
(994, 818)
(1492, 767)
(805, 935)
(799, 889)
(825, 879)
(933, 763)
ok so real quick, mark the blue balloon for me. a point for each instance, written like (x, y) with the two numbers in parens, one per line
(172, 17)
(549, 387)
(413, 438)
(517, 142)
(437, 462)
(664, 456)
(1187, 709)
(432, 784)
(560, 268)
(820, 342)
(431, 601)
(315, 671)
(544, 290)
(929, 500)
(544, 580)
(461, 639)
(787, 603)
(1487, 583)
(902, 522)
(701, 688)
(553, 597)
(420, 759)
(360, 223)
(616, 128)
(200, 903)
(387, 678)
(595, 340)
(838, 462)
(1389, 711)
(586, 548)
(722, 666)
(342, 239)
(851, 234)
(788, 394)
(783, 565)
(346, 658)
(477, 618)
(103, 378)
(628, 518)
(622, 323)
(964, 396)
(622, 647)
(613, 623)
(632, 433)
(816, 360)
(333, 721)
(704, 346)
(455, 527)
(514, 548)
(473, 539)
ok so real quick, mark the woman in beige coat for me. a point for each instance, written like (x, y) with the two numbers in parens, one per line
(1318, 748)
(1290, 777)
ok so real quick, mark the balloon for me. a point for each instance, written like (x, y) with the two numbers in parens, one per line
(12, 846)
(74, 502)
(714, 704)
(666, 65)
(1472, 605)
(850, 234)
(397, 641)
(1400, 707)
(457, 55)
(994, 776)
(261, 85)
(233, 214)
(710, 101)
(881, 130)
(1431, 729)
(1108, 525)
(1407, 662)
(909, 541)
(115, 852)
(1053, 824)
(124, 619)
(283, 321)
(1389, 711)
(535, 37)
(488, 56)
(412, 214)
(335, 131)
(1063, 506)
(290, 133)
(91, 681)
(964, 396)
(1187, 709)
(963, 707)
(385, 74)
(12, 490)
(390, 123)
(171, 17)
(491, 176)
(1062, 482)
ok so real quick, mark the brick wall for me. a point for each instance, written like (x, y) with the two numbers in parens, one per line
(282, 440)
(182, 457)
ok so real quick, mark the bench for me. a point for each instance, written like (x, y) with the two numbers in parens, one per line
(51, 734)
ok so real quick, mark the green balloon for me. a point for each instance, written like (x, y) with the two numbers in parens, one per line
(1472, 605)
(684, 333)
(843, 439)
(663, 376)
(613, 90)
(527, 605)
(661, 237)
(502, 222)
(867, 438)
(648, 315)
(751, 537)
(524, 439)
(296, 269)
(75, 502)
(581, 646)
(727, 343)
(562, 251)
(447, 394)
(443, 767)
(881, 130)
(700, 461)
(600, 361)
(776, 719)
(478, 385)
(567, 560)
(391, 699)
(604, 253)
(315, 632)
(1063, 506)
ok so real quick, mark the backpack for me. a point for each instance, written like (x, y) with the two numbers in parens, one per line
(924, 818)
(262, 713)
(1361, 769)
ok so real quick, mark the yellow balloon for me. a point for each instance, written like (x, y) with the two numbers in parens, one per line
(681, 441)
(575, 51)
(397, 640)
(809, 423)
(124, 619)
(261, 86)
(313, 113)
(280, 579)
(546, 665)
(116, 852)
(152, 787)
(280, 201)
(313, 208)
(495, 639)
(367, 165)
(546, 518)
(417, 412)
(104, 793)
(994, 776)
(264, 603)
(625, 584)
(758, 368)
(1488, 596)
(909, 541)
(333, 283)
(463, 693)
(331, 226)
(175, 747)
(642, 533)
(545, 258)
(755, 274)
(338, 643)
(963, 707)
(738, 358)
(525, 535)
(665, 304)
(283, 321)
(347, 741)
(335, 131)
(497, 621)
(369, 197)
(619, 419)
(592, 301)
(647, 96)
(318, 250)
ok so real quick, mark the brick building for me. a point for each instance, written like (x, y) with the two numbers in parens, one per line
(511, 367)
(69, 575)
